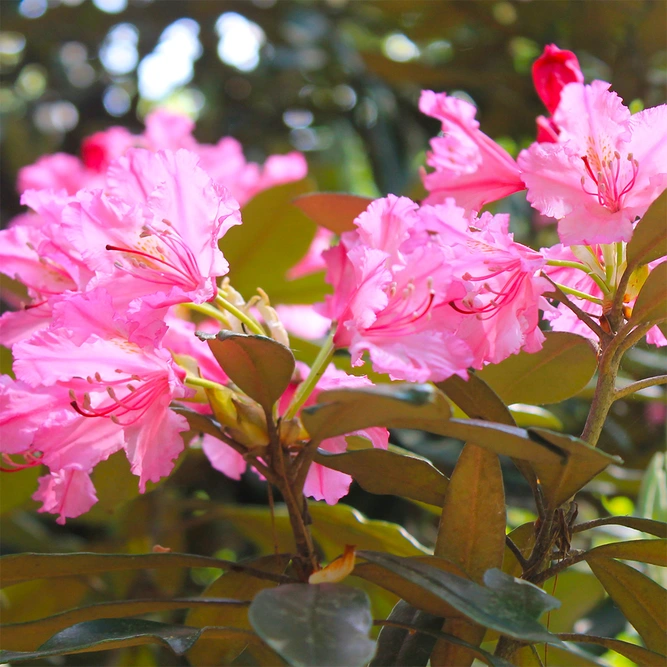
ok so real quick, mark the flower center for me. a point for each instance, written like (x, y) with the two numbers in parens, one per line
(124, 403)
(160, 257)
(612, 178)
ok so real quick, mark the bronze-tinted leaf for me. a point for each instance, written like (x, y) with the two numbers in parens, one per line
(649, 551)
(260, 366)
(649, 240)
(651, 304)
(333, 210)
(642, 601)
(476, 398)
(638, 654)
(419, 406)
(558, 371)
(238, 586)
(389, 472)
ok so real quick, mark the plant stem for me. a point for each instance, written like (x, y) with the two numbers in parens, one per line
(579, 294)
(560, 296)
(582, 267)
(202, 382)
(207, 309)
(249, 321)
(305, 389)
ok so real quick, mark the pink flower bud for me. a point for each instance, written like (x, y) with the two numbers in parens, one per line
(552, 71)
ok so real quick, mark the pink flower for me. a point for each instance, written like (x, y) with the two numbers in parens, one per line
(100, 149)
(67, 492)
(552, 71)
(118, 379)
(606, 169)
(469, 166)
(155, 231)
(388, 278)
(58, 172)
(498, 315)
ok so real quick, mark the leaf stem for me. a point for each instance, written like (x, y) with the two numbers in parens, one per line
(582, 267)
(305, 389)
(202, 382)
(579, 294)
(246, 319)
(207, 309)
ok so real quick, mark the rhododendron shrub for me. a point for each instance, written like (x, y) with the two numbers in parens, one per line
(132, 337)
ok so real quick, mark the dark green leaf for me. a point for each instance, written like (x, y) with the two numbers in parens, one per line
(649, 240)
(651, 304)
(260, 366)
(30, 635)
(274, 236)
(398, 646)
(388, 472)
(315, 625)
(502, 609)
(411, 645)
(335, 211)
(539, 377)
(110, 633)
(642, 601)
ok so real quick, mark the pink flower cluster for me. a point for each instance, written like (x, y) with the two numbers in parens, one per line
(113, 245)
(596, 168)
(431, 291)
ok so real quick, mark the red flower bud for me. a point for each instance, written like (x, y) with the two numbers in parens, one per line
(552, 71)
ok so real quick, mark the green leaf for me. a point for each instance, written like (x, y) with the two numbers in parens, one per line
(651, 304)
(476, 398)
(110, 633)
(637, 654)
(239, 586)
(640, 599)
(332, 210)
(644, 551)
(388, 472)
(27, 567)
(32, 634)
(540, 377)
(274, 236)
(650, 526)
(510, 606)
(260, 366)
(400, 405)
(649, 240)
(315, 625)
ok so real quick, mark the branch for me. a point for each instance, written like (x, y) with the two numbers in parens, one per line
(575, 556)
(516, 551)
(639, 385)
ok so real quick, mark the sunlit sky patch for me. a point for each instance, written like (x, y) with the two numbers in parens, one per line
(240, 41)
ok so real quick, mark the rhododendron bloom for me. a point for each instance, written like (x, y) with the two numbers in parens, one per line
(469, 165)
(388, 277)
(155, 230)
(499, 313)
(116, 378)
(606, 169)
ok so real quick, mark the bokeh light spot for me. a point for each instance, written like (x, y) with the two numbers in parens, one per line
(240, 41)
